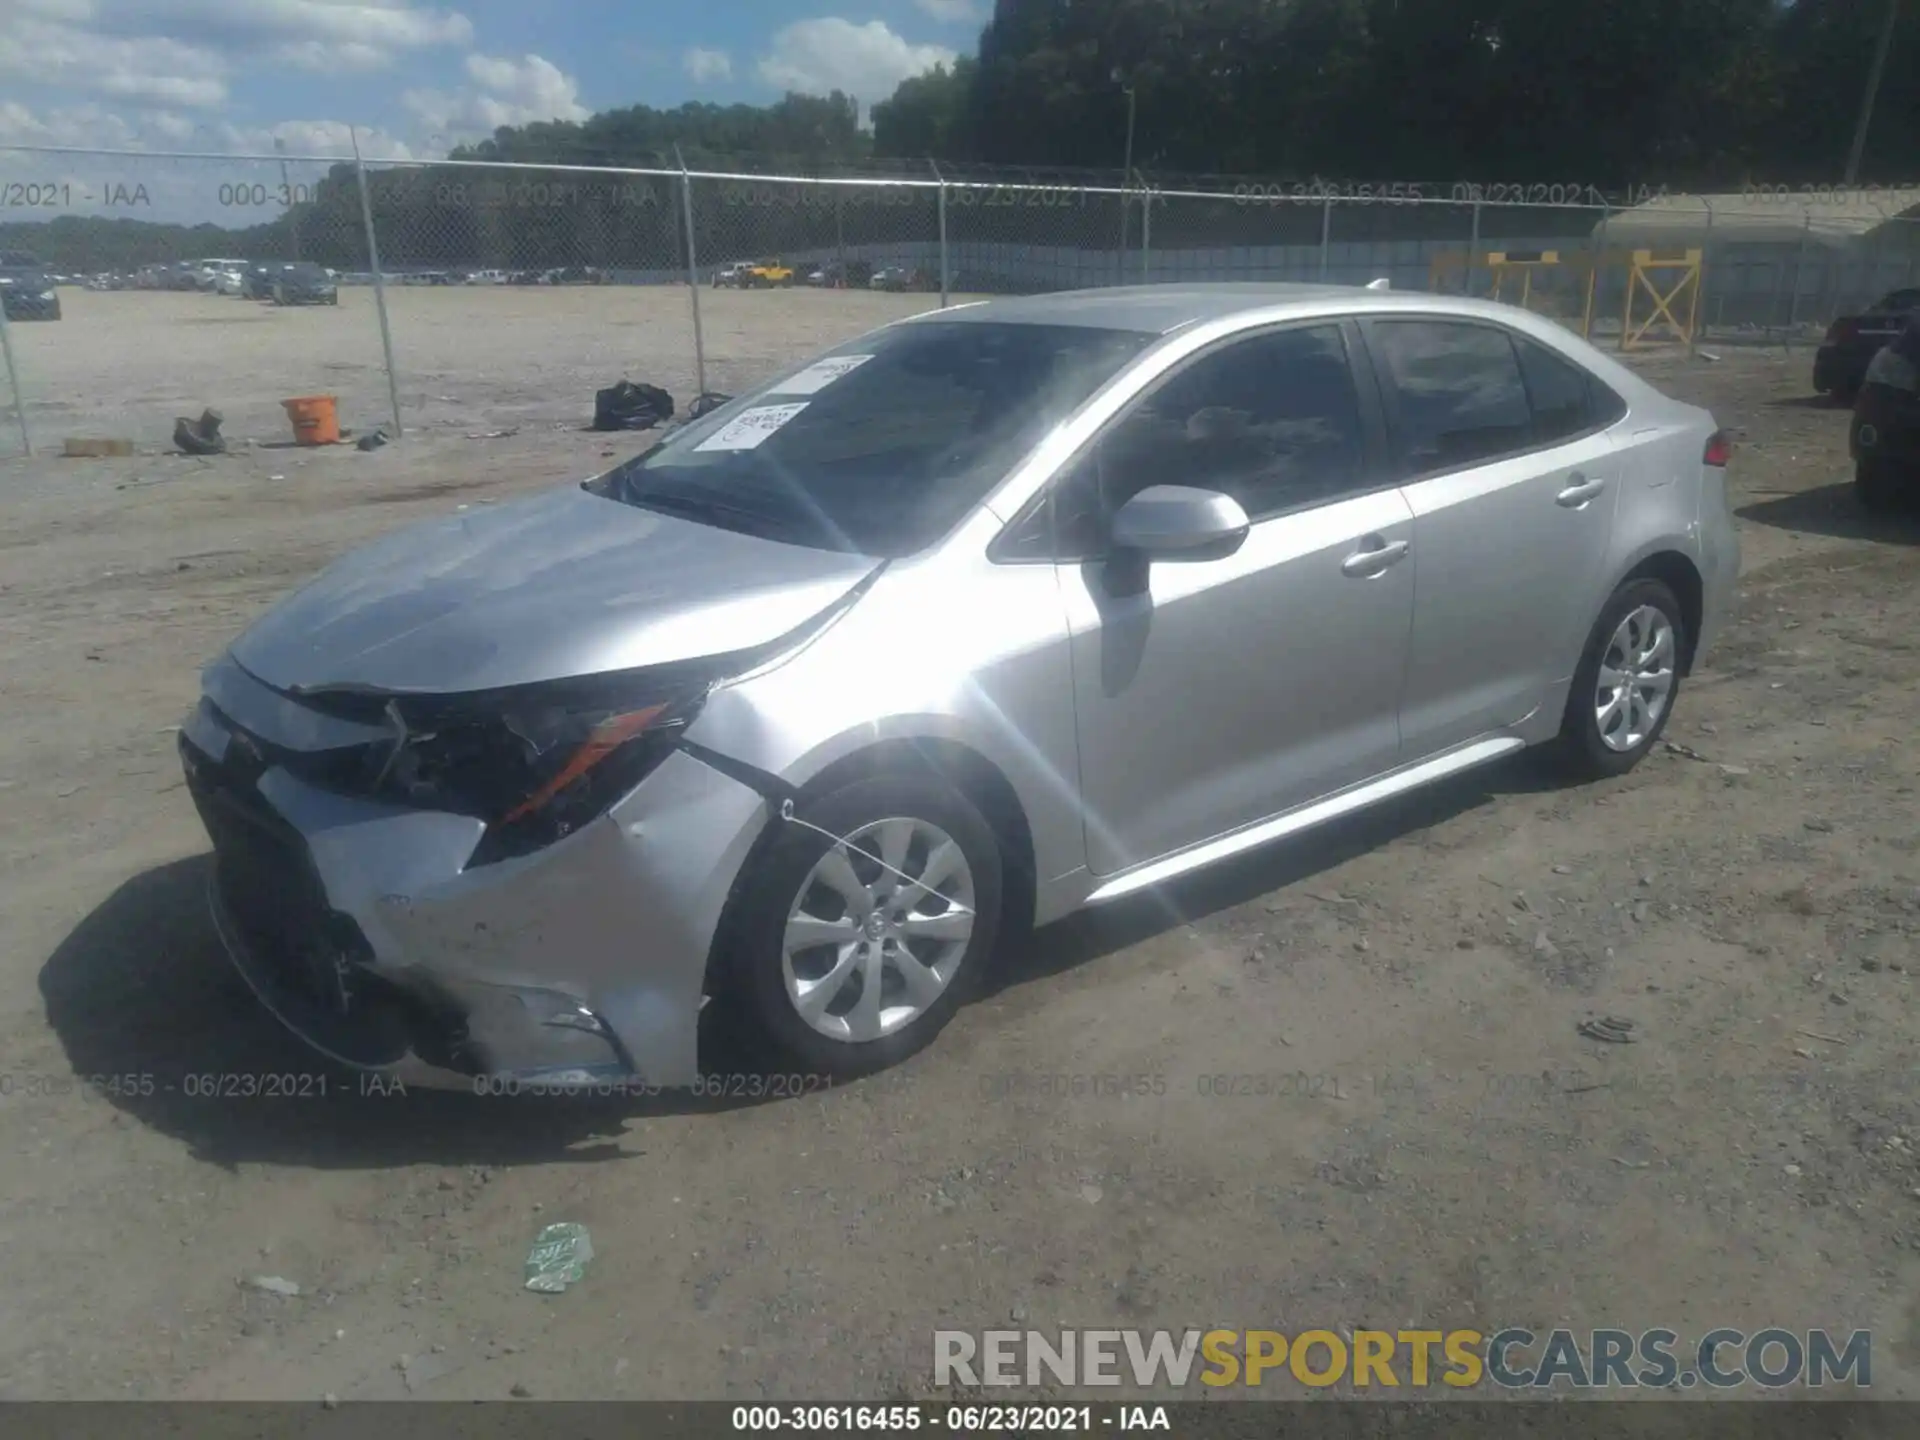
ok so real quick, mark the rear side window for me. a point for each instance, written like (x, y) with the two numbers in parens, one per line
(1456, 392)
(1561, 397)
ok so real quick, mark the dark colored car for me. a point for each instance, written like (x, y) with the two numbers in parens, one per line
(852, 275)
(26, 289)
(304, 283)
(1884, 438)
(1840, 364)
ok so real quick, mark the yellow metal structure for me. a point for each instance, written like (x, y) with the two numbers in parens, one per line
(1509, 271)
(1650, 273)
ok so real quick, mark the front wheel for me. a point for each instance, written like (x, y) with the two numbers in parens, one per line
(850, 954)
(1627, 682)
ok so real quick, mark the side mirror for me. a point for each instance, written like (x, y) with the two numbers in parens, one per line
(1180, 522)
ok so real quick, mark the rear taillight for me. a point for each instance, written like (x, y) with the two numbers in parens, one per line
(1842, 330)
(1719, 450)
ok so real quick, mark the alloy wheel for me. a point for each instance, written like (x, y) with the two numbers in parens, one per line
(878, 930)
(1635, 680)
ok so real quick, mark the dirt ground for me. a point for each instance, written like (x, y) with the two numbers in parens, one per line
(1439, 1147)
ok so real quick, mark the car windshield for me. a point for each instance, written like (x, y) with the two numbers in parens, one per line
(883, 445)
(305, 271)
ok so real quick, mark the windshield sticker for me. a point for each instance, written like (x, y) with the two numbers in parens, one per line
(750, 428)
(822, 373)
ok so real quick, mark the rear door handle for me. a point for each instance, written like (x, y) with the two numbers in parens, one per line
(1375, 559)
(1579, 491)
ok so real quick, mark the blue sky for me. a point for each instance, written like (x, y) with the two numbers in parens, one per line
(417, 76)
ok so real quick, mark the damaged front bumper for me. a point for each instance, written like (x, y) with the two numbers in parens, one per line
(358, 925)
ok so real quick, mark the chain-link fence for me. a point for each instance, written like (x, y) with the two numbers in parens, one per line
(479, 296)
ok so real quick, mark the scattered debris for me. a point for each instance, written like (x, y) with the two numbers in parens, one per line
(1674, 747)
(418, 1371)
(1793, 1169)
(520, 1391)
(1818, 827)
(1091, 1194)
(559, 1258)
(629, 406)
(1708, 356)
(372, 440)
(705, 402)
(200, 437)
(276, 477)
(1563, 869)
(1611, 1029)
(1633, 1164)
(492, 434)
(329, 1401)
(78, 449)
(272, 1285)
(1816, 1035)
(1587, 1089)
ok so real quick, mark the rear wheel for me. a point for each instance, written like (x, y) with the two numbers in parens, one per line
(850, 954)
(1628, 680)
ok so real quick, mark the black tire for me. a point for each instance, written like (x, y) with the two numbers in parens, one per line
(1877, 486)
(752, 958)
(1581, 750)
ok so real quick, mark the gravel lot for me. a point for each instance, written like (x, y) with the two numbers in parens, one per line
(1437, 1145)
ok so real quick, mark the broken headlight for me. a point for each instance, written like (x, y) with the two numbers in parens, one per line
(536, 764)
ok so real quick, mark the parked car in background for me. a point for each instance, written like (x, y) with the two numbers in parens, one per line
(733, 276)
(231, 282)
(1840, 364)
(481, 806)
(850, 274)
(901, 278)
(304, 283)
(26, 287)
(769, 274)
(207, 273)
(1884, 438)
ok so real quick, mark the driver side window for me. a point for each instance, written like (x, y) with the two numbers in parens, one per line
(1273, 421)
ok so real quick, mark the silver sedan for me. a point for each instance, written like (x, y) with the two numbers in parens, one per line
(992, 614)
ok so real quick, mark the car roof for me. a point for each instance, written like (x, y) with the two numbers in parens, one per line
(1161, 309)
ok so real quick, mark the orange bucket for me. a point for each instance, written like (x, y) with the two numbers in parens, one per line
(316, 419)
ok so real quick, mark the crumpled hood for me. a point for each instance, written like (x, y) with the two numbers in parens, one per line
(563, 584)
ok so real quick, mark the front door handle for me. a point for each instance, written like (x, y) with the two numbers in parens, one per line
(1374, 560)
(1579, 491)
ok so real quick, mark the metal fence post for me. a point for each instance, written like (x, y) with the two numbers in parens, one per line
(1799, 262)
(1700, 276)
(1146, 235)
(693, 277)
(379, 281)
(1596, 279)
(13, 379)
(1326, 237)
(1473, 249)
(946, 268)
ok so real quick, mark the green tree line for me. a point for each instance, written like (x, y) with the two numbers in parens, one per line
(1606, 95)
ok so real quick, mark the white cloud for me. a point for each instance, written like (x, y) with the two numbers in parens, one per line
(389, 26)
(158, 70)
(866, 61)
(706, 66)
(951, 12)
(506, 92)
(79, 125)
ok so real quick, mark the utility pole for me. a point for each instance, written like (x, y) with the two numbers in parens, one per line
(1126, 173)
(1873, 90)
